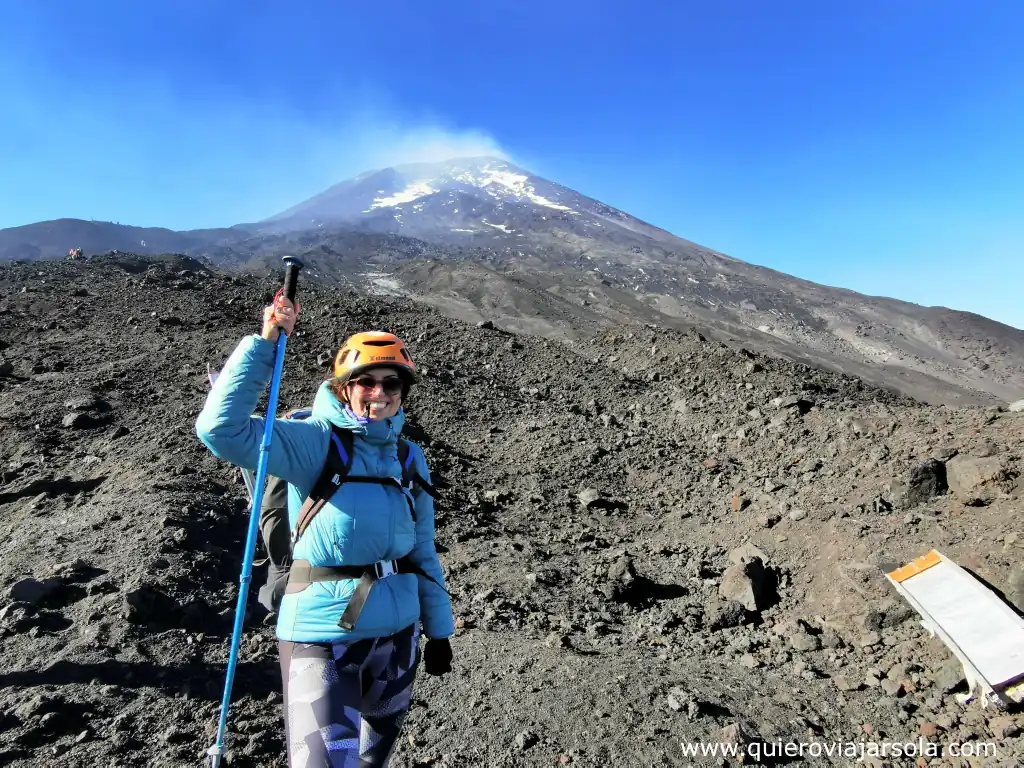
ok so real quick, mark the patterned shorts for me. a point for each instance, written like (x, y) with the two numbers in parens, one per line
(345, 702)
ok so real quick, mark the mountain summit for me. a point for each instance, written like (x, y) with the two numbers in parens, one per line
(402, 186)
(457, 198)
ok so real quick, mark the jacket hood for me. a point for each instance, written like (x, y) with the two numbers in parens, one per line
(327, 406)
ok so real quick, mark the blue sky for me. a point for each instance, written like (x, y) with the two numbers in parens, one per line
(873, 145)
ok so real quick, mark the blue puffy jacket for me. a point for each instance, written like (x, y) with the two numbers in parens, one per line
(361, 524)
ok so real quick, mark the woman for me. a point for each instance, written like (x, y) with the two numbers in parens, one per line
(346, 689)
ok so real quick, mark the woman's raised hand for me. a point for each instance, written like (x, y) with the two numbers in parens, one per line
(282, 314)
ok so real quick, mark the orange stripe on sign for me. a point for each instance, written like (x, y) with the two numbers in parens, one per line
(915, 567)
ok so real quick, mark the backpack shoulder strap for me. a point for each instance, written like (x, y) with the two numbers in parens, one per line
(411, 479)
(336, 467)
(408, 461)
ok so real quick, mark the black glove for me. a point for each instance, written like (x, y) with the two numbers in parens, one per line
(437, 656)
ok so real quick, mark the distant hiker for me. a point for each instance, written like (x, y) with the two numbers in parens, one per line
(366, 579)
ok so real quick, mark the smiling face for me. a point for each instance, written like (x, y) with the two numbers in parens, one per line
(376, 393)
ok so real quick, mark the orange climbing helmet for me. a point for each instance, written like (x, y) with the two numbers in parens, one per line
(370, 349)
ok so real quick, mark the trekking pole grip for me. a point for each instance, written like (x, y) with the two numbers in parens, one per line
(291, 276)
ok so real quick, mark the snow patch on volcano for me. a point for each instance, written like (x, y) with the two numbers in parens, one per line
(412, 192)
(516, 183)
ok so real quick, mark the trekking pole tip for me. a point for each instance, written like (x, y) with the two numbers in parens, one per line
(215, 752)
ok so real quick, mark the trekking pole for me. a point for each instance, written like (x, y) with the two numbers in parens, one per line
(216, 752)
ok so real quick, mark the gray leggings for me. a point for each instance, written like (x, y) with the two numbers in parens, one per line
(345, 702)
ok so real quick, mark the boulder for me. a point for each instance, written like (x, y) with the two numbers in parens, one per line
(975, 481)
(34, 591)
(748, 583)
(723, 614)
(922, 483)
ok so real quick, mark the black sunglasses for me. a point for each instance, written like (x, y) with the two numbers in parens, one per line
(391, 385)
